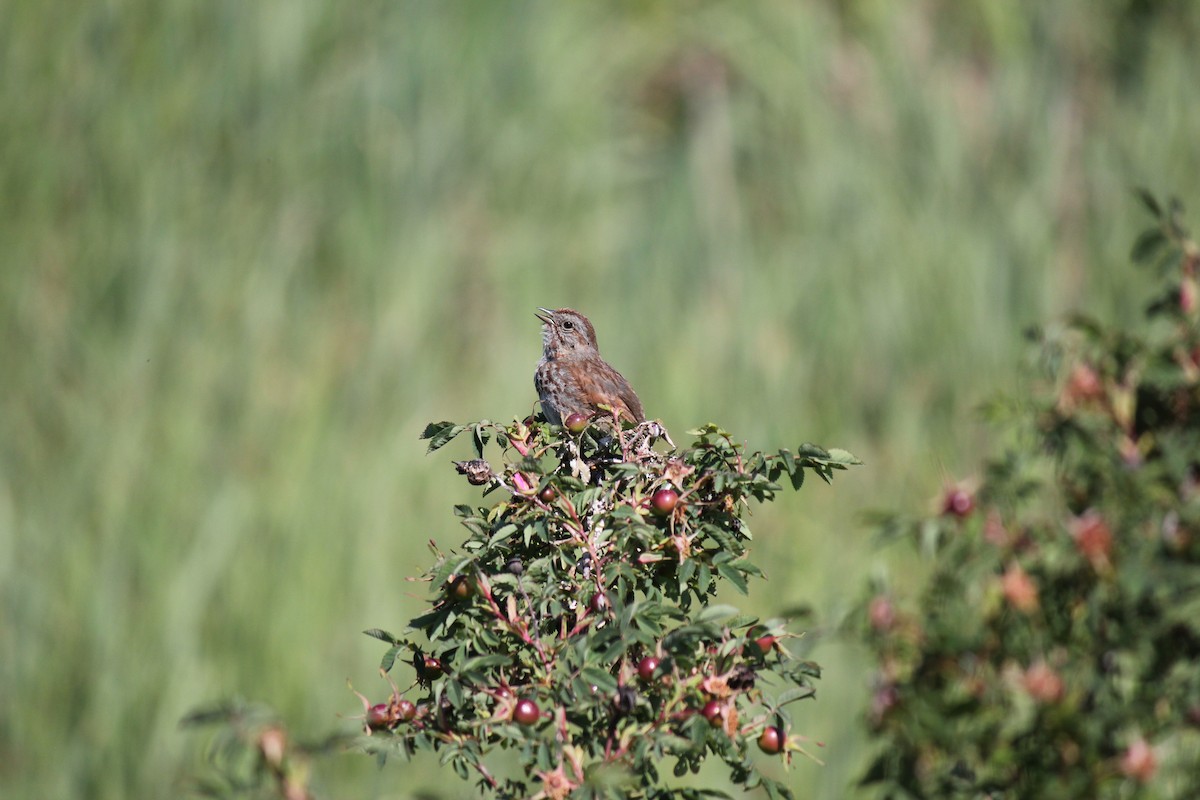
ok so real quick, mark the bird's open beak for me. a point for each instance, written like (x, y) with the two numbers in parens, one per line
(545, 315)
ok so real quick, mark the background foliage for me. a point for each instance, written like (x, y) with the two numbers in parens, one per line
(1052, 650)
(250, 249)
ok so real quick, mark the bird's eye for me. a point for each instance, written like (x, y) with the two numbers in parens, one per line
(568, 325)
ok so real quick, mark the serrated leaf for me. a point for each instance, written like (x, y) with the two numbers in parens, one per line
(389, 658)
(839, 456)
(748, 568)
(208, 716)
(1147, 245)
(627, 614)
(716, 612)
(434, 428)
(480, 662)
(742, 621)
(723, 557)
(447, 568)
(686, 570)
(624, 513)
(429, 620)
(622, 469)
(670, 743)
(588, 496)
(599, 678)
(797, 478)
(1149, 201)
(734, 576)
(809, 668)
(792, 695)
(439, 433)
(382, 635)
(502, 533)
(481, 435)
(618, 646)
(810, 450)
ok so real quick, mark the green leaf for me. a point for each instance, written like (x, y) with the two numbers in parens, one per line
(480, 436)
(797, 478)
(389, 658)
(439, 433)
(447, 568)
(748, 568)
(600, 678)
(430, 620)
(734, 576)
(481, 662)
(614, 648)
(1149, 201)
(810, 450)
(382, 635)
(716, 613)
(792, 695)
(741, 621)
(1147, 245)
(588, 496)
(502, 533)
(776, 790)
(709, 429)
(840, 456)
(686, 570)
(208, 716)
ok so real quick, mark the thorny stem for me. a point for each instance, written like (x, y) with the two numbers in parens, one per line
(487, 776)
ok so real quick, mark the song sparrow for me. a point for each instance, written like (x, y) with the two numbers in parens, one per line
(572, 378)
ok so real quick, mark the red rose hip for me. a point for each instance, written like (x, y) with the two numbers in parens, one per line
(462, 588)
(405, 710)
(771, 740)
(429, 668)
(714, 712)
(764, 643)
(378, 717)
(664, 501)
(646, 668)
(958, 502)
(526, 712)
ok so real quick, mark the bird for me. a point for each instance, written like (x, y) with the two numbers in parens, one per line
(572, 378)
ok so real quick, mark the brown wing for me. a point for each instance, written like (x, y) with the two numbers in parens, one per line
(602, 384)
(629, 398)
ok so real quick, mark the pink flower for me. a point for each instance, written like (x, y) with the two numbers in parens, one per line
(1043, 683)
(1093, 538)
(1138, 761)
(1019, 589)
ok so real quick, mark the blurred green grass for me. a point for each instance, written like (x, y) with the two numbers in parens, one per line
(250, 249)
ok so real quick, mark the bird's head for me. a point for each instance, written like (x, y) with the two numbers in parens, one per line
(565, 331)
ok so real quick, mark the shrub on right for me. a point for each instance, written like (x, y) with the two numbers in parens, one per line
(1054, 647)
